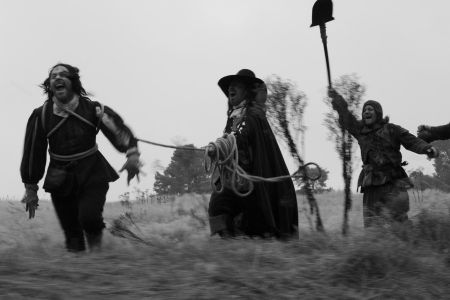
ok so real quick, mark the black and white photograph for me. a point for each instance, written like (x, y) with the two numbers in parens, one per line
(212, 149)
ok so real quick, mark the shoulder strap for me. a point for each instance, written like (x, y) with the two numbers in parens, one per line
(43, 114)
(63, 120)
(44, 119)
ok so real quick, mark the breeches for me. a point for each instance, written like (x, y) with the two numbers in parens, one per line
(236, 215)
(81, 212)
(225, 203)
(223, 208)
(387, 201)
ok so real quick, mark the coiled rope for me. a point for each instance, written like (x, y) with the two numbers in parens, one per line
(229, 169)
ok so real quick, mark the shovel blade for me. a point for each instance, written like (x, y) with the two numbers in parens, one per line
(322, 12)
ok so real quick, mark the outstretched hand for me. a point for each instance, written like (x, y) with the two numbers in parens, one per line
(133, 166)
(424, 132)
(432, 152)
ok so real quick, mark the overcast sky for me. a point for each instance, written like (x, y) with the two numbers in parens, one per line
(157, 63)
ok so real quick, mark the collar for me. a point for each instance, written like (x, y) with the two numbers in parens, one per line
(237, 112)
(240, 105)
(60, 108)
(375, 127)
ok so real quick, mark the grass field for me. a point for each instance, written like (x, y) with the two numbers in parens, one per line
(164, 251)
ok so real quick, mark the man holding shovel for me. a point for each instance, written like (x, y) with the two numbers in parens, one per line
(383, 180)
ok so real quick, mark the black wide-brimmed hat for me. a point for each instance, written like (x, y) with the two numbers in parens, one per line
(245, 75)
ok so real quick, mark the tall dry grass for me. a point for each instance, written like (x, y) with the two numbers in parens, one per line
(164, 251)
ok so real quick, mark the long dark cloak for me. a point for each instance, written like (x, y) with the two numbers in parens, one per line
(271, 207)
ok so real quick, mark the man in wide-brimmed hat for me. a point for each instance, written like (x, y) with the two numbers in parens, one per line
(383, 180)
(271, 208)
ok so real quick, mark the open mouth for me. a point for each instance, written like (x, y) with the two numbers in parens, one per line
(59, 86)
(368, 118)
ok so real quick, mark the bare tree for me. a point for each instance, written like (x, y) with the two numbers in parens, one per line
(285, 107)
(353, 91)
(285, 103)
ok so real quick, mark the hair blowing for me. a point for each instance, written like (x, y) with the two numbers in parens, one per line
(74, 78)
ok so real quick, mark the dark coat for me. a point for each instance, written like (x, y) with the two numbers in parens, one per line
(74, 136)
(271, 207)
(380, 147)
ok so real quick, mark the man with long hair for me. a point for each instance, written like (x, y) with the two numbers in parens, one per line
(269, 209)
(383, 180)
(78, 175)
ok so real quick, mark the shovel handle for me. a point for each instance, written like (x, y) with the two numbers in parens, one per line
(323, 35)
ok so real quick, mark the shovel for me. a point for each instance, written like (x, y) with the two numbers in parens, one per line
(322, 13)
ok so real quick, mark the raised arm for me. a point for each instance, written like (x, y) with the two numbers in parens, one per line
(346, 117)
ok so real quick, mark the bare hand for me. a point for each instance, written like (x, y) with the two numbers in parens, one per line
(332, 93)
(211, 150)
(432, 152)
(424, 132)
(133, 166)
(335, 96)
(31, 202)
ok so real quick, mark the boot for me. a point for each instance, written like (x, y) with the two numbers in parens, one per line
(75, 244)
(222, 225)
(94, 241)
